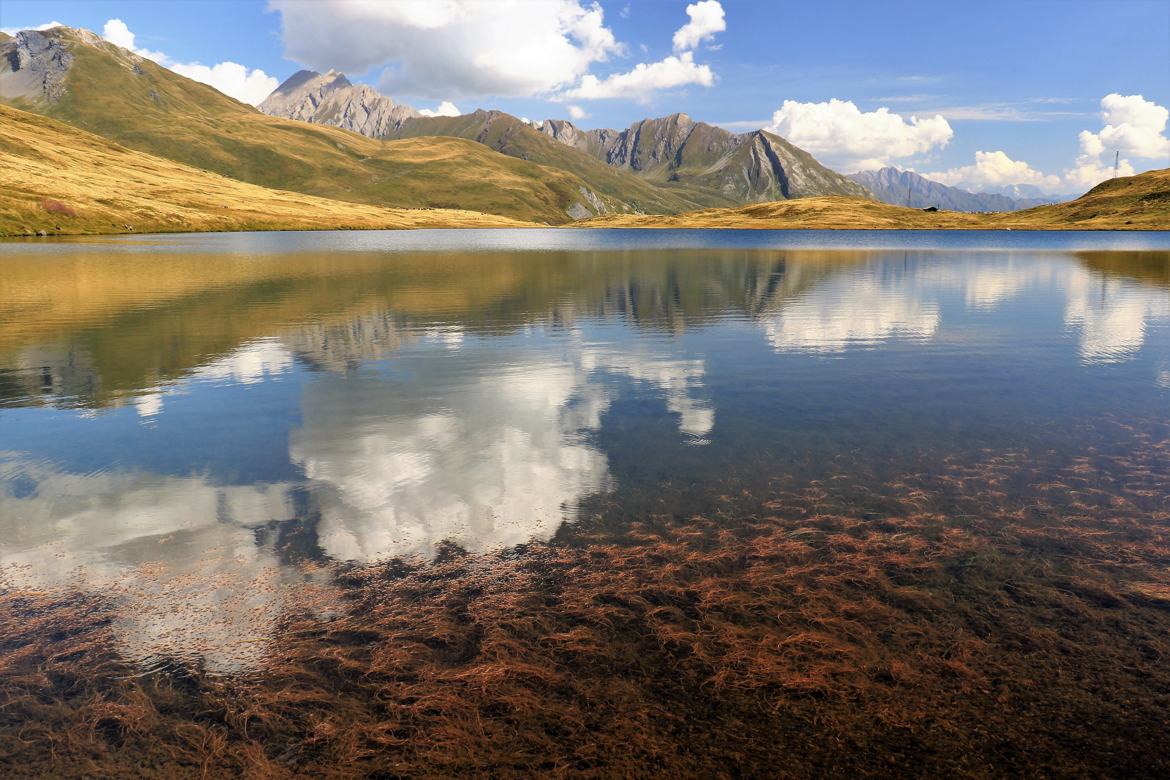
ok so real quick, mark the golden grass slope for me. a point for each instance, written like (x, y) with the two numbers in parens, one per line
(132, 101)
(1139, 202)
(56, 178)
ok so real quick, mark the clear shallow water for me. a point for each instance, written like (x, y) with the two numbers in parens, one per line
(199, 425)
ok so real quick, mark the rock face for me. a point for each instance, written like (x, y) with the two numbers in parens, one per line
(745, 167)
(700, 163)
(906, 188)
(611, 189)
(33, 66)
(330, 99)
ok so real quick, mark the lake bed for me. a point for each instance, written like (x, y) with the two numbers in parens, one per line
(438, 502)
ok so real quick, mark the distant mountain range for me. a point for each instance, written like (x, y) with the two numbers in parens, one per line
(1027, 192)
(705, 164)
(1140, 202)
(906, 188)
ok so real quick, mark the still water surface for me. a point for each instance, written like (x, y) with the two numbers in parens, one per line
(200, 425)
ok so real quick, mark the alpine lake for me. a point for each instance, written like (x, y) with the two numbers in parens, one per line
(589, 502)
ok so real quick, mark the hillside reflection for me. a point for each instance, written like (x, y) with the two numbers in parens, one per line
(386, 406)
(92, 330)
(96, 330)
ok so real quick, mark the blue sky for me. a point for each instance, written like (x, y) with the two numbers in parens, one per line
(1021, 78)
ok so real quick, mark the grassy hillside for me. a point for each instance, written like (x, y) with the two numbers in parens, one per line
(56, 178)
(1139, 202)
(59, 179)
(508, 135)
(138, 104)
(108, 324)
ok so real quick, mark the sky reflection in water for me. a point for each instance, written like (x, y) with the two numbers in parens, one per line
(167, 418)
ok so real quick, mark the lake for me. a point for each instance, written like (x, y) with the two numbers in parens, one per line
(341, 499)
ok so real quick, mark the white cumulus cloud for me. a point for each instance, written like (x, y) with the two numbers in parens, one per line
(644, 79)
(45, 26)
(230, 78)
(246, 85)
(1089, 169)
(706, 20)
(576, 112)
(446, 108)
(844, 137)
(680, 70)
(995, 169)
(117, 33)
(451, 48)
(1134, 127)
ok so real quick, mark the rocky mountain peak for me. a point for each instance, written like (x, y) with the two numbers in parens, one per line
(561, 130)
(34, 63)
(330, 98)
(741, 167)
(677, 119)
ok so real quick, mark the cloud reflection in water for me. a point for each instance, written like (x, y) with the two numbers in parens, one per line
(465, 424)
(479, 449)
(178, 556)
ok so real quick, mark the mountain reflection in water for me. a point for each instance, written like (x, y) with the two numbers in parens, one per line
(197, 434)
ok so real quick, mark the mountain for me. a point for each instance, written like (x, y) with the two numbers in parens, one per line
(1139, 202)
(330, 99)
(514, 137)
(745, 167)
(907, 188)
(323, 99)
(663, 165)
(76, 77)
(1028, 192)
(61, 180)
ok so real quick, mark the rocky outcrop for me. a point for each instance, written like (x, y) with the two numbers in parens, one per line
(560, 130)
(33, 65)
(330, 99)
(744, 167)
(612, 190)
(907, 188)
(699, 164)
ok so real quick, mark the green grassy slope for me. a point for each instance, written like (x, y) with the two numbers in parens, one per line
(59, 179)
(1139, 202)
(143, 106)
(509, 135)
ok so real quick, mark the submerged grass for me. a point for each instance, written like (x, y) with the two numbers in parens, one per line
(1023, 631)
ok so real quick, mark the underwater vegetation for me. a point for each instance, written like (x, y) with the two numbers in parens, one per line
(1007, 614)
